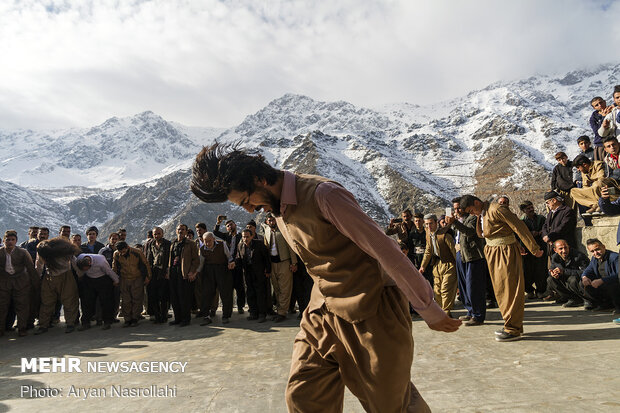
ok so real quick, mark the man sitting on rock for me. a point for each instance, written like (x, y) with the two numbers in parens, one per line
(565, 271)
(592, 173)
(600, 279)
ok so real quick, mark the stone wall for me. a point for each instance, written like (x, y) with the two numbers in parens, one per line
(603, 228)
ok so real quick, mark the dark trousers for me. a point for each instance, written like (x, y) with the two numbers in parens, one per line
(472, 278)
(15, 289)
(606, 294)
(239, 286)
(10, 317)
(94, 289)
(35, 300)
(159, 295)
(535, 272)
(567, 289)
(257, 290)
(181, 296)
(217, 278)
(302, 286)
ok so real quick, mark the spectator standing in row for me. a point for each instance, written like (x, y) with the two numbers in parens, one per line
(158, 257)
(232, 239)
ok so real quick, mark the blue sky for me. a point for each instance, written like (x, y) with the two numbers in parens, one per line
(210, 63)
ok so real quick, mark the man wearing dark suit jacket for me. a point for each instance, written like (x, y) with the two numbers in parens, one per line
(183, 264)
(253, 257)
(560, 222)
(232, 239)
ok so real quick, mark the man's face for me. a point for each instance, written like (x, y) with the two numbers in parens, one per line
(200, 231)
(32, 233)
(457, 209)
(10, 241)
(406, 216)
(92, 236)
(419, 223)
(271, 222)
(599, 104)
(231, 227)
(43, 234)
(552, 203)
(597, 250)
(124, 251)
(504, 201)
(158, 234)
(209, 241)
(113, 240)
(65, 232)
(122, 235)
(430, 225)
(76, 239)
(584, 168)
(181, 232)
(617, 98)
(562, 248)
(252, 229)
(612, 147)
(564, 159)
(584, 145)
(189, 236)
(246, 237)
(261, 198)
(529, 210)
(475, 209)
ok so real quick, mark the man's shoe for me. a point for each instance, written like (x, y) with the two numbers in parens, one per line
(225, 320)
(552, 297)
(40, 330)
(22, 333)
(507, 337)
(572, 303)
(588, 306)
(183, 323)
(499, 332)
(240, 311)
(116, 320)
(212, 313)
(491, 304)
(126, 324)
(106, 326)
(252, 317)
(206, 321)
(262, 319)
(133, 323)
(200, 314)
(173, 323)
(465, 318)
(474, 322)
(530, 296)
(279, 318)
(616, 311)
(84, 327)
(605, 307)
(99, 322)
(69, 329)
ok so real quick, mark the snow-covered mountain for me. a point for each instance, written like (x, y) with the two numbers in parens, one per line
(501, 139)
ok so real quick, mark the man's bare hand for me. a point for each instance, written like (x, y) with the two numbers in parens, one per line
(604, 192)
(421, 270)
(546, 238)
(606, 124)
(449, 220)
(596, 283)
(231, 265)
(446, 324)
(586, 281)
(538, 253)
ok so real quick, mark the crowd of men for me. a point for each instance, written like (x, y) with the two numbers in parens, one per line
(481, 251)
(91, 282)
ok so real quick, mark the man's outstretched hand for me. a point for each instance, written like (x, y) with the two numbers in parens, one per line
(446, 324)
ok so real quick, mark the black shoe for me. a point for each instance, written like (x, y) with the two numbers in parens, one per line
(262, 319)
(588, 306)
(507, 337)
(133, 323)
(491, 304)
(174, 323)
(69, 329)
(126, 324)
(40, 330)
(206, 321)
(530, 296)
(106, 326)
(499, 332)
(22, 333)
(200, 314)
(84, 327)
(572, 303)
(240, 311)
(252, 317)
(604, 307)
(561, 301)
(116, 320)
(140, 317)
(473, 322)
(99, 322)
(212, 313)
(183, 323)
(279, 318)
(225, 320)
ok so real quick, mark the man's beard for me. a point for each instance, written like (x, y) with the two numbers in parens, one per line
(273, 202)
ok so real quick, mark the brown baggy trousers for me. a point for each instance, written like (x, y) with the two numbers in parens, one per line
(282, 282)
(18, 288)
(60, 287)
(506, 269)
(132, 294)
(372, 358)
(444, 285)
